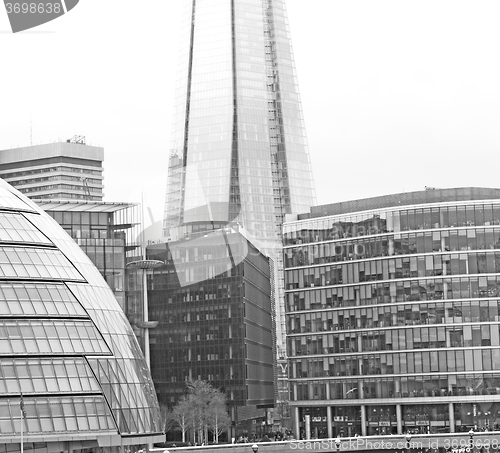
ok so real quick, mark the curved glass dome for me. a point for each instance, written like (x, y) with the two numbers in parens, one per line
(67, 351)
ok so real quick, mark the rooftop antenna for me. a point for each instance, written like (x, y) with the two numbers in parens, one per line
(79, 139)
(31, 131)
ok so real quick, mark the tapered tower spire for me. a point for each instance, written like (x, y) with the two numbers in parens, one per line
(238, 151)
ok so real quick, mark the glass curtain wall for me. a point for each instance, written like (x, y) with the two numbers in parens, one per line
(392, 311)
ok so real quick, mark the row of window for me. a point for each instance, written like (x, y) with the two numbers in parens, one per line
(56, 415)
(397, 244)
(209, 291)
(24, 262)
(40, 299)
(95, 190)
(106, 256)
(180, 353)
(354, 225)
(395, 315)
(391, 292)
(193, 334)
(221, 311)
(67, 196)
(37, 171)
(46, 375)
(396, 339)
(213, 341)
(395, 268)
(399, 362)
(456, 336)
(56, 337)
(15, 228)
(398, 387)
(82, 219)
(212, 373)
(465, 412)
(53, 178)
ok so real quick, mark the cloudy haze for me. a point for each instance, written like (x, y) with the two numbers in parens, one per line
(396, 95)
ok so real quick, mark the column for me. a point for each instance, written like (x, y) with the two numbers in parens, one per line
(363, 420)
(307, 422)
(296, 422)
(397, 388)
(233, 416)
(399, 418)
(445, 284)
(391, 246)
(451, 414)
(328, 411)
(329, 421)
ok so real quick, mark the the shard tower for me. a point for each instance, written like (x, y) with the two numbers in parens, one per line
(238, 152)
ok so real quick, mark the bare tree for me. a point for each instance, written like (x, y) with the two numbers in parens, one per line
(167, 418)
(203, 409)
(182, 415)
(218, 420)
(200, 394)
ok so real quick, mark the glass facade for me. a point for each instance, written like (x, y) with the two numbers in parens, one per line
(213, 307)
(107, 233)
(67, 350)
(238, 149)
(393, 317)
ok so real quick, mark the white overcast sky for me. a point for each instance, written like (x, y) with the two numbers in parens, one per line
(397, 95)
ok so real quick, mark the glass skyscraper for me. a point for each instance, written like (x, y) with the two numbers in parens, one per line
(238, 150)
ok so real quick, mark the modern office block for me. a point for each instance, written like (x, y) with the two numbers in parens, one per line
(70, 170)
(68, 356)
(212, 302)
(393, 314)
(238, 149)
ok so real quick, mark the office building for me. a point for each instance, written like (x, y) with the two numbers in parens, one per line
(238, 149)
(393, 314)
(70, 170)
(107, 233)
(212, 302)
(72, 375)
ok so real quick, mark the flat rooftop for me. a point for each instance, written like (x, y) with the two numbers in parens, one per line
(50, 150)
(429, 195)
